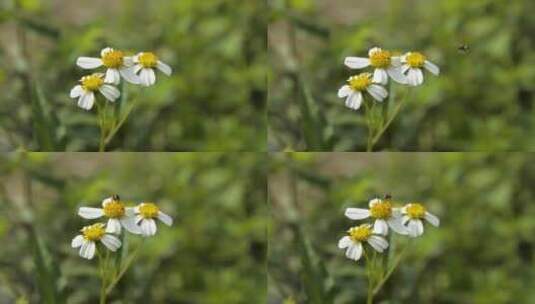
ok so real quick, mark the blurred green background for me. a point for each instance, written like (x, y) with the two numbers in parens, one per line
(483, 252)
(214, 101)
(482, 101)
(214, 253)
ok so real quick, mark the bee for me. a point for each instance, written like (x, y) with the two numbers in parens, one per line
(464, 48)
(116, 197)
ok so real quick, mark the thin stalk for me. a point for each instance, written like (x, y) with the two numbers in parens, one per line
(385, 278)
(369, 298)
(389, 121)
(369, 145)
(127, 265)
(114, 131)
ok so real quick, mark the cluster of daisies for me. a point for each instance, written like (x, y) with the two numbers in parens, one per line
(138, 69)
(138, 220)
(406, 69)
(407, 220)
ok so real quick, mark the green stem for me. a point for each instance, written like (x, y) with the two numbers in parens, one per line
(389, 121)
(102, 278)
(385, 278)
(369, 145)
(128, 263)
(112, 133)
(369, 299)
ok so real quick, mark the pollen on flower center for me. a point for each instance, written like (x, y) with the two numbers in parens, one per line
(114, 209)
(149, 210)
(415, 211)
(113, 59)
(360, 82)
(380, 59)
(360, 233)
(382, 210)
(94, 232)
(92, 82)
(415, 59)
(148, 60)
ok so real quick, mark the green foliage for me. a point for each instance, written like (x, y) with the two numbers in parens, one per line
(483, 251)
(483, 99)
(214, 253)
(214, 100)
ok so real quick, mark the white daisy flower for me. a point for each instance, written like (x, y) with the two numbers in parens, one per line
(92, 234)
(118, 215)
(145, 62)
(412, 64)
(413, 214)
(85, 92)
(146, 213)
(117, 63)
(357, 84)
(358, 235)
(384, 214)
(384, 63)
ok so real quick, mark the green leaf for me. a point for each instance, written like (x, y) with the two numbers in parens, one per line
(47, 272)
(313, 121)
(42, 126)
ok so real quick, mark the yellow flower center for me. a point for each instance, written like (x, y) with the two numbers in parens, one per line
(382, 210)
(360, 233)
(415, 59)
(360, 82)
(114, 209)
(148, 60)
(380, 59)
(113, 59)
(92, 82)
(149, 210)
(94, 232)
(415, 211)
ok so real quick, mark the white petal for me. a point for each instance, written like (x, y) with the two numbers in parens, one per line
(164, 68)
(405, 68)
(405, 219)
(87, 251)
(415, 77)
(380, 227)
(129, 223)
(77, 241)
(110, 92)
(135, 59)
(111, 242)
(354, 251)
(112, 76)
(432, 219)
(396, 225)
(147, 77)
(344, 91)
(113, 226)
(128, 61)
(107, 201)
(90, 213)
(148, 227)
(395, 61)
(105, 50)
(374, 201)
(354, 100)
(137, 68)
(76, 91)
(380, 76)
(344, 242)
(166, 219)
(139, 219)
(378, 92)
(378, 243)
(431, 67)
(356, 62)
(396, 75)
(357, 213)
(129, 211)
(403, 58)
(88, 62)
(415, 228)
(374, 50)
(86, 100)
(129, 75)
